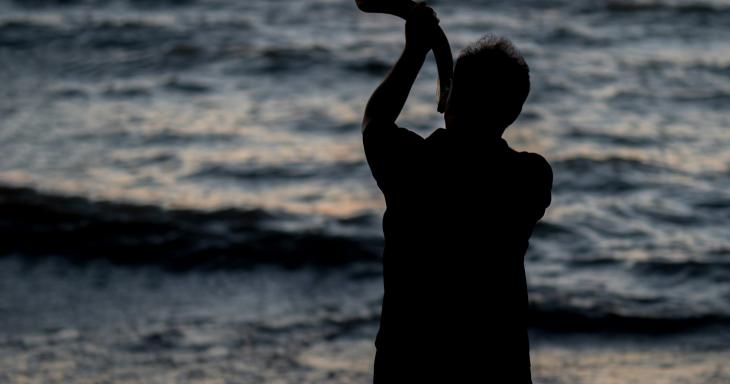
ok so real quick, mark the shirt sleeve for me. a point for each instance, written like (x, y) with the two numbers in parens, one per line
(541, 183)
(544, 181)
(392, 154)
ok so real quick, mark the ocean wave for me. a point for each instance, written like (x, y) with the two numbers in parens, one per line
(24, 33)
(124, 90)
(683, 7)
(129, 139)
(187, 86)
(713, 270)
(568, 319)
(611, 174)
(559, 319)
(546, 228)
(142, 45)
(687, 269)
(585, 164)
(286, 171)
(572, 34)
(291, 59)
(716, 204)
(68, 92)
(61, 3)
(611, 138)
(35, 223)
(562, 318)
(370, 66)
(46, 3)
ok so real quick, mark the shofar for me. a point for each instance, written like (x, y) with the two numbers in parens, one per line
(441, 48)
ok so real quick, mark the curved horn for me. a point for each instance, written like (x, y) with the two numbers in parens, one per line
(441, 48)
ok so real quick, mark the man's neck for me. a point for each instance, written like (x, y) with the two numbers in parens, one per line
(477, 135)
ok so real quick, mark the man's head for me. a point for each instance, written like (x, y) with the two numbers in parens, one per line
(491, 82)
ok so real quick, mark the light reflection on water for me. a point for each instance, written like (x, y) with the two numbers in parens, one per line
(257, 104)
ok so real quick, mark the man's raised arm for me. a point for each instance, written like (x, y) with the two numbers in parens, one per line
(387, 102)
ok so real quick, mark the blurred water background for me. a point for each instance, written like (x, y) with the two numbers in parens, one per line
(194, 170)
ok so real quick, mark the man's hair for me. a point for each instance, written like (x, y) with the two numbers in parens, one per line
(491, 75)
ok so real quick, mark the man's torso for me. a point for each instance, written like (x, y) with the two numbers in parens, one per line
(459, 215)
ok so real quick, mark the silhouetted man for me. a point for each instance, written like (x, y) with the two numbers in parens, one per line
(461, 206)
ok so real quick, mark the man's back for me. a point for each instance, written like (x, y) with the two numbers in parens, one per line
(459, 215)
(461, 206)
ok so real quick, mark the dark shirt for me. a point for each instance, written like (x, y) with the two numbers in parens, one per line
(458, 219)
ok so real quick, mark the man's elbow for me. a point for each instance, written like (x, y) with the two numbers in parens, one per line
(370, 123)
(366, 121)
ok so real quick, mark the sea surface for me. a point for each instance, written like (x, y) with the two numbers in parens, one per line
(182, 184)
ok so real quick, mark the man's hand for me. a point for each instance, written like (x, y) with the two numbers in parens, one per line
(388, 100)
(421, 26)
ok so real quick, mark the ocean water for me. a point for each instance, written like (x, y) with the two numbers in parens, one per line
(220, 138)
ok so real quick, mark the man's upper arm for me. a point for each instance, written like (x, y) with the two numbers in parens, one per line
(545, 180)
(542, 180)
(391, 152)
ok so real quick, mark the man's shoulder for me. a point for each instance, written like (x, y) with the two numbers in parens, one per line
(538, 167)
(376, 131)
(535, 161)
(438, 135)
(438, 140)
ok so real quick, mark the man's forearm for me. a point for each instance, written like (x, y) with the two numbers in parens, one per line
(387, 102)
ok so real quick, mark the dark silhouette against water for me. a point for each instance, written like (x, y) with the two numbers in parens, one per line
(461, 206)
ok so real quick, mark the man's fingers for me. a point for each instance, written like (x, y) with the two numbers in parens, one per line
(430, 13)
(427, 18)
(424, 13)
